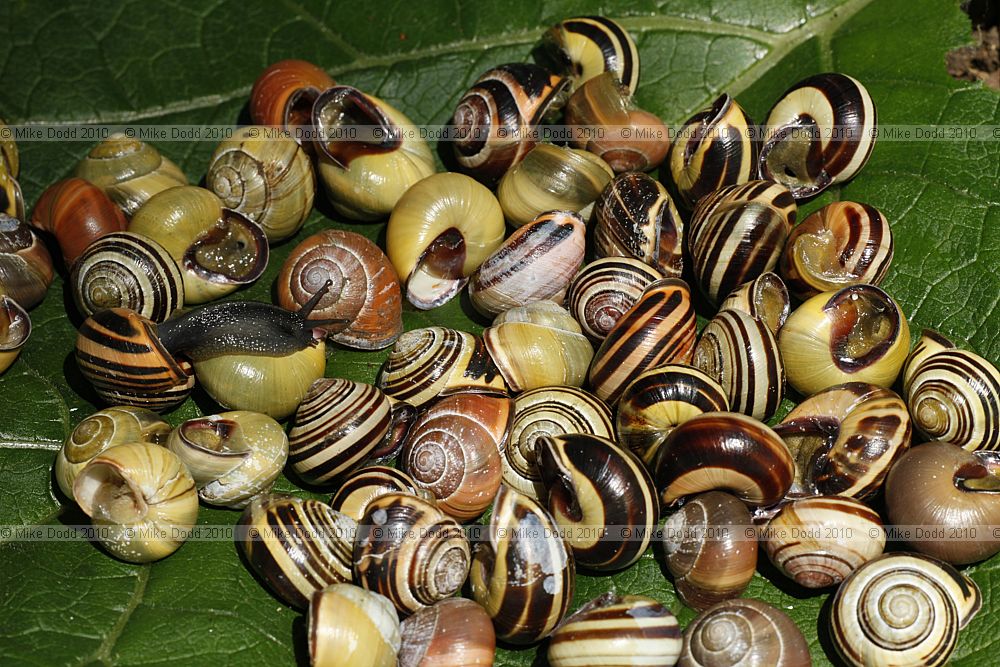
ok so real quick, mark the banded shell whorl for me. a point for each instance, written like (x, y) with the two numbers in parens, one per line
(764, 298)
(586, 46)
(367, 484)
(604, 289)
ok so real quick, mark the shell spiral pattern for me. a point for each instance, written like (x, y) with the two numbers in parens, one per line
(604, 289)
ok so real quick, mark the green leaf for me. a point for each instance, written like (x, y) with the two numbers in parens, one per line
(66, 602)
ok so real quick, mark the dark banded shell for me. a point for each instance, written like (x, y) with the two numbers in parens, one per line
(601, 496)
(764, 298)
(455, 632)
(367, 484)
(337, 427)
(637, 218)
(25, 265)
(604, 289)
(586, 46)
(296, 546)
(617, 630)
(737, 233)
(744, 632)
(658, 329)
(724, 451)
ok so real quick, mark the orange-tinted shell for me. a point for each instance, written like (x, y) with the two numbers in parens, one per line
(77, 213)
(451, 633)
(284, 93)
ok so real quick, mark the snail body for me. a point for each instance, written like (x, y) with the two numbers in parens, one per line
(744, 633)
(604, 289)
(351, 627)
(77, 213)
(25, 265)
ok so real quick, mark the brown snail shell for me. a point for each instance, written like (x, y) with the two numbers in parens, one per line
(25, 265)
(451, 633)
(77, 213)
(15, 328)
(284, 93)
(744, 633)
(604, 289)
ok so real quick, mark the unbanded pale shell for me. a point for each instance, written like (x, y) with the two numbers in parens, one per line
(352, 627)
(604, 289)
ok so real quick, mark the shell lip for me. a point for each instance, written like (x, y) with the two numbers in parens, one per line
(842, 326)
(219, 245)
(337, 115)
(801, 186)
(15, 325)
(438, 275)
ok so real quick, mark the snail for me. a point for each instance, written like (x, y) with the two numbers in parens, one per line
(551, 178)
(101, 430)
(364, 289)
(942, 487)
(351, 627)
(659, 400)
(127, 270)
(266, 177)
(617, 630)
(715, 148)
(819, 541)
(601, 495)
(410, 551)
(604, 289)
(535, 263)
(440, 231)
(76, 213)
(953, 394)
(15, 328)
(741, 354)
(128, 171)
(284, 93)
(522, 573)
(232, 457)
(434, 361)
(723, 451)
(141, 497)
(628, 138)
(658, 329)
(217, 249)
(453, 450)
(820, 132)
(9, 159)
(902, 609)
(402, 417)
(584, 47)
(538, 345)
(635, 217)
(25, 265)
(743, 633)
(856, 334)
(451, 633)
(707, 551)
(737, 233)
(11, 200)
(296, 546)
(367, 484)
(845, 439)
(365, 177)
(764, 298)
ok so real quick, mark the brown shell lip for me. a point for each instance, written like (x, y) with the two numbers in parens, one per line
(841, 329)
(349, 107)
(216, 234)
(15, 325)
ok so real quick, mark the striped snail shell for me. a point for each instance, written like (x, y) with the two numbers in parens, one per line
(15, 328)
(550, 246)
(495, 118)
(902, 609)
(658, 329)
(724, 451)
(337, 426)
(217, 249)
(101, 430)
(297, 546)
(127, 270)
(11, 197)
(715, 148)
(953, 394)
(617, 630)
(434, 361)
(141, 497)
(284, 93)
(440, 231)
(367, 484)
(661, 399)
(764, 298)
(707, 551)
(587, 46)
(402, 417)
(451, 633)
(410, 551)
(820, 132)
(453, 451)
(538, 345)
(841, 244)
(233, 457)
(25, 265)
(637, 218)
(856, 334)
(551, 178)
(845, 439)
(269, 179)
(523, 579)
(129, 171)
(352, 627)
(741, 354)
(737, 233)
(593, 483)
(364, 177)
(744, 633)
(604, 289)
(364, 290)
(77, 213)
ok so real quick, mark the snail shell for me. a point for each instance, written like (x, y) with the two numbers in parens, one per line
(440, 231)
(296, 546)
(637, 218)
(451, 633)
(587, 46)
(11, 197)
(142, 497)
(902, 609)
(15, 328)
(524, 579)
(284, 93)
(410, 551)
(535, 263)
(604, 289)
(77, 213)
(820, 132)
(25, 265)
(352, 627)
(706, 551)
(364, 290)
(764, 298)
(367, 484)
